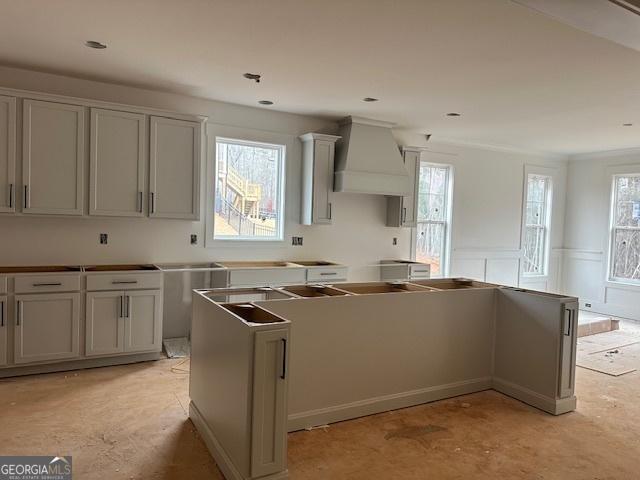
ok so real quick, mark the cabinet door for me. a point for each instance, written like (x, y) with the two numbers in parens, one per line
(174, 182)
(4, 320)
(7, 154)
(105, 323)
(268, 427)
(117, 163)
(46, 327)
(409, 202)
(143, 321)
(322, 180)
(52, 158)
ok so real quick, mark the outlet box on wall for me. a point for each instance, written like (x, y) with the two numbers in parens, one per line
(104, 238)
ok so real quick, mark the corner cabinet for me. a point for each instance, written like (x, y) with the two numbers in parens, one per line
(403, 211)
(174, 181)
(53, 154)
(318, 152)
(118, 158)
(7, 155)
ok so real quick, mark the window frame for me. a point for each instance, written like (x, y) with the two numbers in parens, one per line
(249, 136)
(445, 261)
(614, 176)
(546, 226)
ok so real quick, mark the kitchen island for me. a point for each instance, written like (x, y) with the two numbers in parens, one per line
(283, 359)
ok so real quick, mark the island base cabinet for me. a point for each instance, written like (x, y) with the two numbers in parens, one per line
(143, 321)
(46, 327)
(268, 427)
(3, 330)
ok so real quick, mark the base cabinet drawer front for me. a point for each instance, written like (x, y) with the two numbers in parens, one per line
(269, 403)
(124, 281)
(47, 283)
(3, 284)
(105, 323)
(143, 321)
(266, 276)
(419, 271)
(46, 327)
(4, 319)
(327, 274)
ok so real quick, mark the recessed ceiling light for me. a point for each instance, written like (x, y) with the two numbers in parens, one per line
(453, 114)
(265, 102)
(253, 76)
(94, 44)
(370, 99)
(627, 124)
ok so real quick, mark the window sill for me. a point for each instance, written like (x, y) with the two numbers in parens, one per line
(633, 286)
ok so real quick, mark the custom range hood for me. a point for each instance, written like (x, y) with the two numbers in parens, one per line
(368, 159)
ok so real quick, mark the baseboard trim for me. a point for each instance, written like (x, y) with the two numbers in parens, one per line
(79, 364)
(550, 405)
(370, 406)
(224, 462)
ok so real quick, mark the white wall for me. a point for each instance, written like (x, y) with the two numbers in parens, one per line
(586, 234)
(487, 210)
(358, 236)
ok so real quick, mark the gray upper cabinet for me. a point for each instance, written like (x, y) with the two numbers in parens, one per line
(53, 155)
(318, 152)
(118, 158)
(7, 154)
(174, 181)
(403, 211)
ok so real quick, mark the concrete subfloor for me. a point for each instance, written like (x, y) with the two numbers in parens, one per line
(131, 422)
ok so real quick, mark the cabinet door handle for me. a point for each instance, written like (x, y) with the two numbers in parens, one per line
(140, 202)
(2, 314)
(128, 305)
(330, 212)
(568, 314)
(11, 195)
(328, 273)
(283, 375)
(120, 302)
(26, 196)
(18, 312)
(153, 201)
(404, 214)
(56, 284)
(120, 282)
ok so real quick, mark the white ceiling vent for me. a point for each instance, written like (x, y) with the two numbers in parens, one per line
(615, 20)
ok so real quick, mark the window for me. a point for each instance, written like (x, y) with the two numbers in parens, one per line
(249, 190)
(625, 229)
(434, 217)
(537, 224)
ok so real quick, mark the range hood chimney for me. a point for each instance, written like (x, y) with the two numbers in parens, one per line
(368, 159)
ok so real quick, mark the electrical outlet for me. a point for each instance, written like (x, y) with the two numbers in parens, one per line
(587, 305)
(297, 241)
(194, 239)
(395, 240)
(104, 238)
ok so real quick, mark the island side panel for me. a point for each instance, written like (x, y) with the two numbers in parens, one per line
(535, 346)
(358, 355)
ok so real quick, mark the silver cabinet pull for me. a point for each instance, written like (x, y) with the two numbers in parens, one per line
(330, 212)
(120, 302)
(128, 306)
(26, 196)
(153, 201)
(18, 312)
(2, 314)
(140, 202)
(11, 195)
(568, 314)
(120, 282)
(328, 273)
(283, 375)
(55, 284)
(404, 214)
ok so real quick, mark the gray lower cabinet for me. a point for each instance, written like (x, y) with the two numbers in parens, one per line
(3, 329)
(105, 323)
(268, 433)
(118, 159)
(53, 153)
(143, 325)
(46, 327)
(123, 321)
(7, 154)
